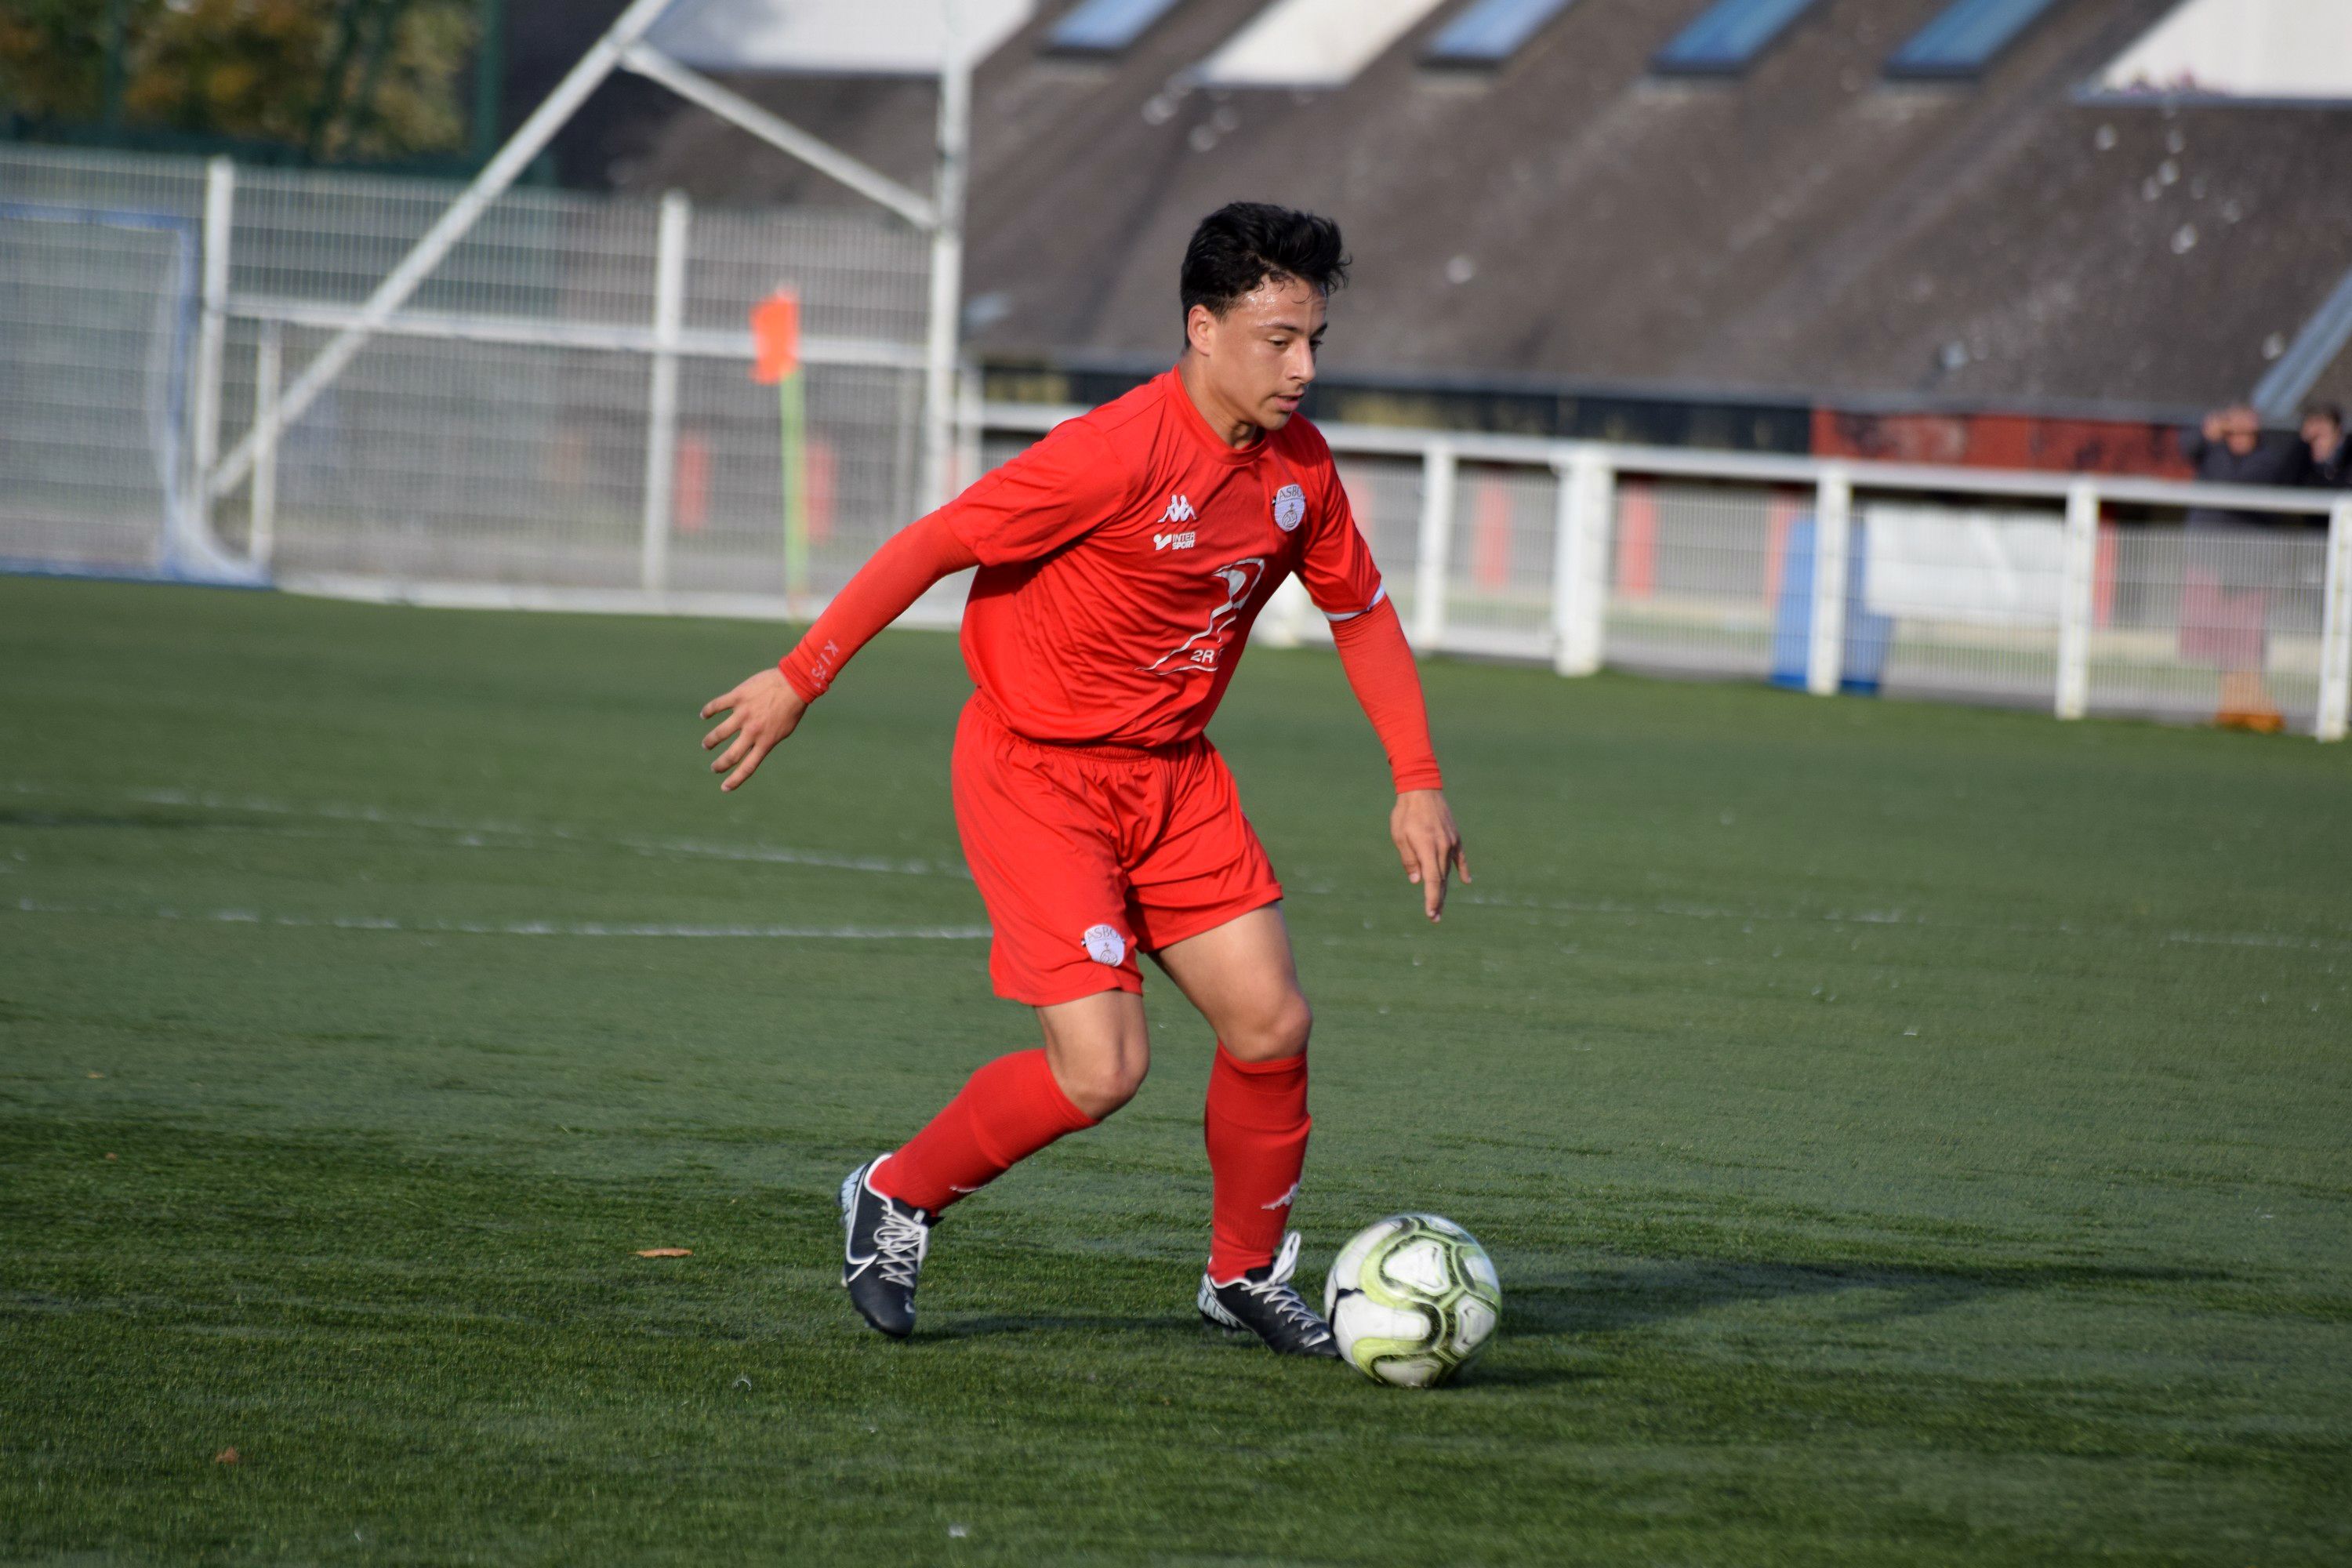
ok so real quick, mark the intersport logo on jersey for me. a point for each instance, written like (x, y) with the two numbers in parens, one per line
(1179, 509)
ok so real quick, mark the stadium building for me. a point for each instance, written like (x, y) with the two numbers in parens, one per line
(2015, 233)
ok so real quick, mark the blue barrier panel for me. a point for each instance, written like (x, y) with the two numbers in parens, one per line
(1867, 637)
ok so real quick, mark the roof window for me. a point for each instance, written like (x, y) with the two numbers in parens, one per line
(1106, 27)
(1492, 31)
(1729, 35)
(1964, 38)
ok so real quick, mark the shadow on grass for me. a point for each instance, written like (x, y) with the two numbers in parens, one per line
(19, 817)
(1627, 1296)
(986, 1324)
(1632, 1295)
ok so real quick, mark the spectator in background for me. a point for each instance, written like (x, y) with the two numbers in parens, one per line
(2331, 453)
(2232, 448)
(2235, 560)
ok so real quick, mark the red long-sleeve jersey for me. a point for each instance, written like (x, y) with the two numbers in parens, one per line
(1123, 559)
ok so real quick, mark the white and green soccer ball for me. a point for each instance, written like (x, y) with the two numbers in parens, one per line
(1412, 1301)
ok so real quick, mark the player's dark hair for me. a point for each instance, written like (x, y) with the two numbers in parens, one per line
(1243, 244)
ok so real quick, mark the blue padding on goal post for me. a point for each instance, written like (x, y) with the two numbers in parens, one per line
(1867, 637)
(187, 553)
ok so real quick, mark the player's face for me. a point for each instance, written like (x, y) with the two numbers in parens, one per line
(1258, 358)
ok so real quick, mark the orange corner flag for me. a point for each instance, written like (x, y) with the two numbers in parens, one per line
(776, 337)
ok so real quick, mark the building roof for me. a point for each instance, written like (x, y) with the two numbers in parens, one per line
(1806, 226)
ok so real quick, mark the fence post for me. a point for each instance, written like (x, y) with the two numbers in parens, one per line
(2335, 627)
(1437, 464)
(1580, 560)
(661, 397)
(2078, 582)
(268, 367)
(968, 452)
(943, 334)
(212, 331)
(1832, 534)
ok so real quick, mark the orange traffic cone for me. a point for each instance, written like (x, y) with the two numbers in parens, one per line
(2246, 704)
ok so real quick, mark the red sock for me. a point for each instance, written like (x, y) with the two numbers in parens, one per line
(1256, 1126)
(1007, 1111)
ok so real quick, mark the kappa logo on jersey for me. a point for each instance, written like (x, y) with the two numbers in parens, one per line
(1178, 511)
(1174, 541)
(1199, 651)
(1289, 508)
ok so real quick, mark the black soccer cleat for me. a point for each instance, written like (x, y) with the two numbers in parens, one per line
(883, 1255)
(1262, 1302)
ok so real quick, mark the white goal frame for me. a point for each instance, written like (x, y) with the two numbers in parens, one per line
(623, 48)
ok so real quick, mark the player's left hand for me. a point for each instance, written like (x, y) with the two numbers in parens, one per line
(1429, 844)
(760, 714)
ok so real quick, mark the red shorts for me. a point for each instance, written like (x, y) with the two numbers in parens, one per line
(1086, 855)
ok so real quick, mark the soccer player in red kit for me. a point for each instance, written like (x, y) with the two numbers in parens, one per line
(1121, 562)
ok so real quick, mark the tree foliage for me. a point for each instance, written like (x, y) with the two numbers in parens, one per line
(334, 79)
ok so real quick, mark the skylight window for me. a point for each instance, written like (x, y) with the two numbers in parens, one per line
(1730, 35)
(1311, 43)
(1107, 27)
(1964, 39)
(1491, 31)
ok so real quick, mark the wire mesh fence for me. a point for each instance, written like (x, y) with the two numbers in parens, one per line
(567, 390)
(1499, 558)
(2193, 623)
(1696, 570)
(497, 432)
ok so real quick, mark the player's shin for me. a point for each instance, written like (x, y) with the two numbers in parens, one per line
(1005, 1113)
(1255, 1124)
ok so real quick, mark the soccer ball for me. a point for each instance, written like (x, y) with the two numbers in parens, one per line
(1412, 1301)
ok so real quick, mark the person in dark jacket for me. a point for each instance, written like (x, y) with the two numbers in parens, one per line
(2235, 559)
(2232, 448)
(2331, 453)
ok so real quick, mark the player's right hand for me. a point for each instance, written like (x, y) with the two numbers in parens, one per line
(1429, 844)
(760, 714)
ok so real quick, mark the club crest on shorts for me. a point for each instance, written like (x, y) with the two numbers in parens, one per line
(1289, 508)
(1105, 945)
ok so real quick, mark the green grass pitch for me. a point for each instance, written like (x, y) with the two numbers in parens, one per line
(1908, 1134)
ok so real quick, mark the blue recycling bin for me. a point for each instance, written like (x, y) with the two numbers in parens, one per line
(1867, 637)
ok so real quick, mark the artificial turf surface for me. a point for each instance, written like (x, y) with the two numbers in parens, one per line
(1907, 1135)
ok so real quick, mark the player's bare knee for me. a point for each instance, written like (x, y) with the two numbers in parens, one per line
(1101, 1087)
(1279, 1031)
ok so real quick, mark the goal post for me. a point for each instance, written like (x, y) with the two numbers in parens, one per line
(111, 295)
(805, 35)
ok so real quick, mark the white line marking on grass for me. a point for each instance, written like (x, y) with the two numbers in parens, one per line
(1691, 912)
(1897, 917)
(524, 928)
(470, 834)
(770, 854)
(2224, 938)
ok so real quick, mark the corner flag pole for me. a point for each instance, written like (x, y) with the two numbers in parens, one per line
(776, 361)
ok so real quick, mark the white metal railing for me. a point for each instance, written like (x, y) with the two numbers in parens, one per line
(2211, 618)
